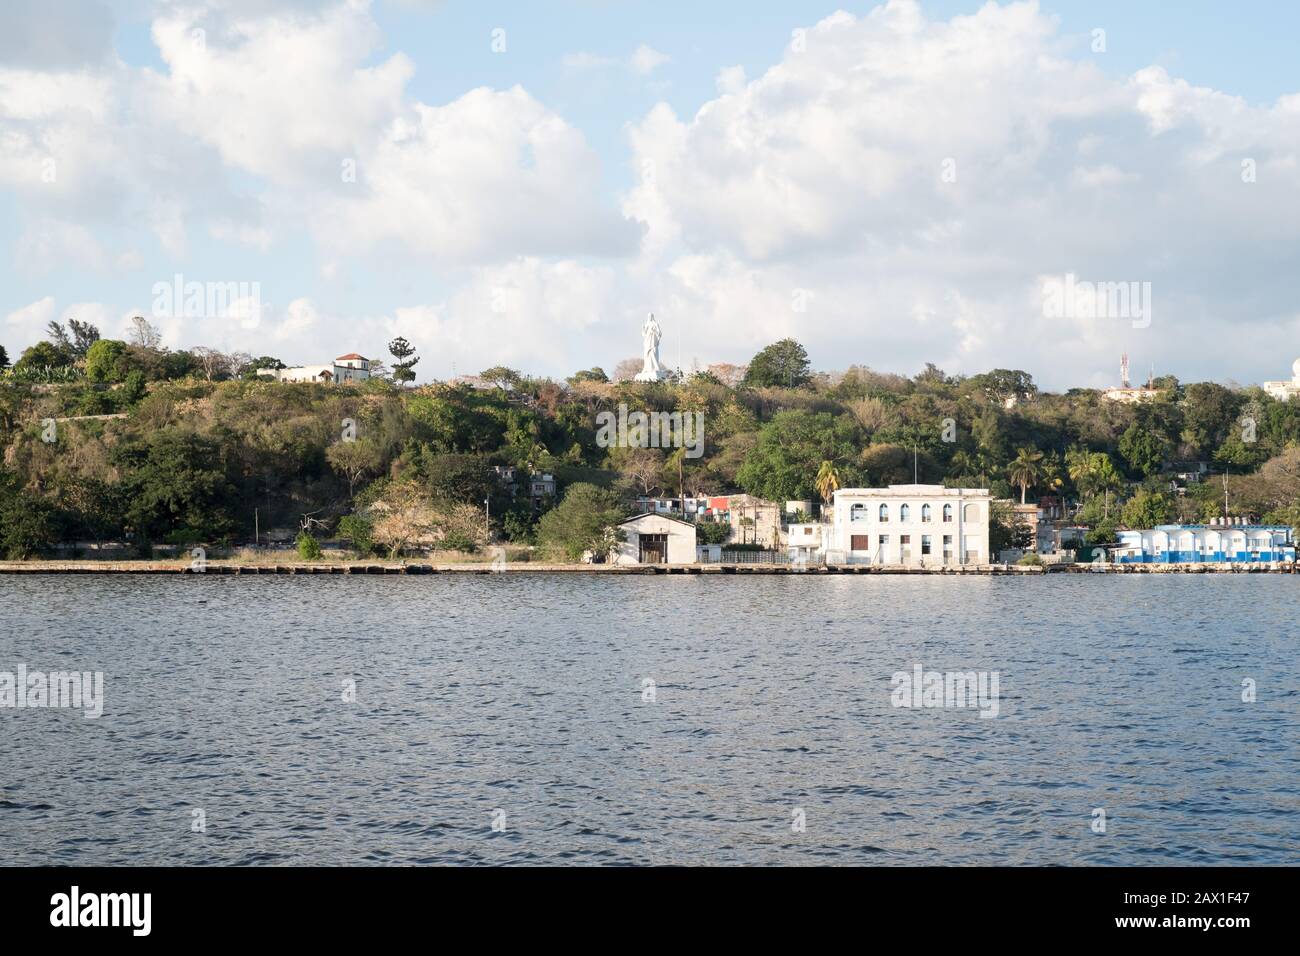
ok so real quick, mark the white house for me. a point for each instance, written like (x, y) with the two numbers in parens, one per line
(346, 368)
(656, 539)
(910, 525)
(805, 540)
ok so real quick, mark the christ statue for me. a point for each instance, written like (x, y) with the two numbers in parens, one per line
(651, 370)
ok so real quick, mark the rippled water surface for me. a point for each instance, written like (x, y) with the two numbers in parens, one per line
(525, 694)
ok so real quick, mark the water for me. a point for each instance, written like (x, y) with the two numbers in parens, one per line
(525, 694)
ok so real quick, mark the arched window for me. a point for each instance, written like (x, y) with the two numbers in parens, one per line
(970, 513)
(858, 512)
(947, 513)
(903, 512)
(884, 512)
(925, 513)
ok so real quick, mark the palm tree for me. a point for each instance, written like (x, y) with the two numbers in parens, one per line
(828, 481)
(1026, 470)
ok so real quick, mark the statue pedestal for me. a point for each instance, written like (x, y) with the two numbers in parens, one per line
(646, 375)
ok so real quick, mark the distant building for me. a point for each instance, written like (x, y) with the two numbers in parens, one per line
(1125, 393)
(476, 382)
(1283, 391)
(694, 506)
(806, 541)
(656, 539)
(346, 368)
(541, 486)
(1190, 544)
(753, 520)
(911, 525)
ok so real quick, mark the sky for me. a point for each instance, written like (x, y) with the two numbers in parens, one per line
(518, 183)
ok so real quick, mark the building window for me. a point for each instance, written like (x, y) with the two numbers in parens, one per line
(858, 512)
(859, 542)
(884, 513)
(925, 544)
(971, 513)
(883, 544)
(947, 514)
(903, 512)
(925, 514)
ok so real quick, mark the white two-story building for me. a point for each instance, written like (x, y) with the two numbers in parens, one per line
(346, 368)
(910, 525)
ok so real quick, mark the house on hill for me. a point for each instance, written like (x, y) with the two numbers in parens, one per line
(346, 368)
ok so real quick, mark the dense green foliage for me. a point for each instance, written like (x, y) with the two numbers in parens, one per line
(203, 451)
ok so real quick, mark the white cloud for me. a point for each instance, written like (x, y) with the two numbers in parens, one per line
(36, 315)
(586, 61)
(645, 60)
(899, 166)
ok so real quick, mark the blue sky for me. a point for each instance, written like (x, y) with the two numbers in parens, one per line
(223, 213)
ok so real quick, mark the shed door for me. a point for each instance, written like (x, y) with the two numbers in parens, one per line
(654, 548)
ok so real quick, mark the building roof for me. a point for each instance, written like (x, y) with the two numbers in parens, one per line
(658, 517)
(352, 355)
(911, 491)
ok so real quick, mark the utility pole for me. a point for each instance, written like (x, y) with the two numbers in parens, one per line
(256, 527)
(487, 517)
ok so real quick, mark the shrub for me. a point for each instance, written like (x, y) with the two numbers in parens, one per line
(359, 532)
(308, 547)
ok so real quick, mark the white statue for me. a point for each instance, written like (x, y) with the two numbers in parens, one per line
(651, 370)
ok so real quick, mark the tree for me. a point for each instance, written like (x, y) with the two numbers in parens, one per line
(354, 460)
(828, 481)
(42, 355)
(105, 361)
(252, 367)
(174, 485)
(584, 521)
(135, 387)
(76, 339)
(144, 334)
(404, 367)
(308, 546)
(27, 522)
(213, 363)
(1146, 509)
(593, 374)
(467, 479)
(1093, 473)
(781, 364)
(626, 369)
(783, 465)
(1143, 448)
(1004, 384)
(4, 359)
(502, 377)
(642, 467)
(401, 515)
(359, 531)
(1026, 470)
